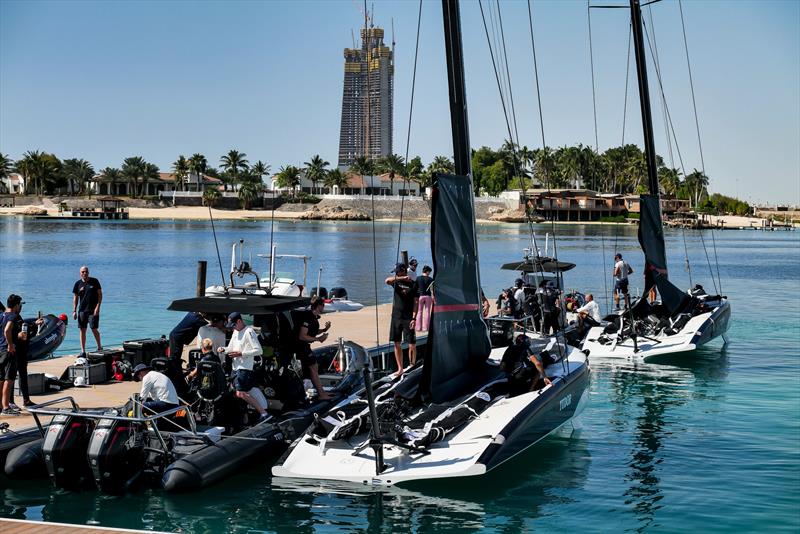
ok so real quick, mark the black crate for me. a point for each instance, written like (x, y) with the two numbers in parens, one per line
(36, 384)
(143, 350)
(94, 374)
(107, 357)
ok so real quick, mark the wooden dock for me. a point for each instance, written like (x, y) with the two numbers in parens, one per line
(25, 526)
(354, 326)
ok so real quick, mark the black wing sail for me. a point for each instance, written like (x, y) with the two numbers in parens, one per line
(458, 338)
(651, 239)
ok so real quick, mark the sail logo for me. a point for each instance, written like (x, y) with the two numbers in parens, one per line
(565, 402)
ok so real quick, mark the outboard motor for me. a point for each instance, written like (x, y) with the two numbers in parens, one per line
(116, 454)
(321, 291)
(338, 293)
(64, 451)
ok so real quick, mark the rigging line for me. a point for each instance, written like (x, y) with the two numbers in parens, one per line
(716, 260)
(686, 255)
(591, 66)
(541, 124)
(408, 132)
(371, 178)
(508, 73)
(216, 244)
(624, 104)
(677, 147)
(657, 62)
(271, 237)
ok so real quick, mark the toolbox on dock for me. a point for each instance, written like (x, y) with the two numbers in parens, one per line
(36, 384)
(93, 374)
(144, 350)
(106, 357)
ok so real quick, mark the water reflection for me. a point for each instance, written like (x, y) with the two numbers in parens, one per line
(647, 396)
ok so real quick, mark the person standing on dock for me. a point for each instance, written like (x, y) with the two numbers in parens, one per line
(404, 315)
(10, 329)
(87, 295)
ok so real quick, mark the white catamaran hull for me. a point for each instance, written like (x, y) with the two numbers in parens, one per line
(503, 430)
(698, 331)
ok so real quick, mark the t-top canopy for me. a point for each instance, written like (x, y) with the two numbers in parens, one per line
(535, 265)
(246, 304)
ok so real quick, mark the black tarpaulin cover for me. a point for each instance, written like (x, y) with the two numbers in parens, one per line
(246, 304)
(536, 265)
(458, 337)
(651, 239)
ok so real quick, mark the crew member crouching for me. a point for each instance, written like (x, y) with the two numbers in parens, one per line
(158, 393)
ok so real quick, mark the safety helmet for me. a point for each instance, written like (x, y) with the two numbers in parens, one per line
(80, 381)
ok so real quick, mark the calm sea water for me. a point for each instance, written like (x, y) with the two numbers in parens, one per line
(710, 445)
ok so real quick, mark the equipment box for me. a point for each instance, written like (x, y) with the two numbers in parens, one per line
(94, 373)
(501, 330)
(106, 357)
(36, 384)
(143, 350)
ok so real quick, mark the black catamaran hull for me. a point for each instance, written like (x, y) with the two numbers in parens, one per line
(550, 411)
(715, 326)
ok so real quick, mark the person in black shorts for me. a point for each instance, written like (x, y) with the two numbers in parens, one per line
(10, 328)
(308, 333)
(404, 310)
(87, 295)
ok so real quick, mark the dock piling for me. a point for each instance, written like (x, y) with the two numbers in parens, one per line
(202, 266)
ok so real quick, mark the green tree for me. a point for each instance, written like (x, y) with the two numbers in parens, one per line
(133, 171)
(696, 184)
(393, 165)
(42, 172)
(288, 177)
(198, 165)
(6, 167)
(111, 175)
(250, 188)
(362, 166)
(415, 172)
(210, 196)
(670, 180)
(315, 171)
(77, 173)
(234, 162)
(336, 178)
(180, 168)
(259, 170)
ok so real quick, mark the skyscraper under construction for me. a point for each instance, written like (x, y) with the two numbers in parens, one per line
(367, 130)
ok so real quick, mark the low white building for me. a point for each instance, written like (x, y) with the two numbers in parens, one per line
(13, 184)
(380, 185)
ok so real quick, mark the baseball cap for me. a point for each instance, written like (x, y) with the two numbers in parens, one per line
(13, 300)
(400, 267)
(232, 319)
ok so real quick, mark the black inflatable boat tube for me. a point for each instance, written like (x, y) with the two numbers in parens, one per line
(222, 459)
(26, 461)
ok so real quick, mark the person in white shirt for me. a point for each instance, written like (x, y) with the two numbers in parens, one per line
(519, 298)
(242, 349)
(412, 269)
(590, 309)
(158, 393)
(213, 331)
(621, 271)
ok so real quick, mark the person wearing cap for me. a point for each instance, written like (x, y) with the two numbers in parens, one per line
(184, 333)
(158, 393)
(424, 285)
(550, 305)
(11, 327)
(621, 271)
(412, 269)
(404, 315)
(87, 295)
(242, 349)
(519, 298)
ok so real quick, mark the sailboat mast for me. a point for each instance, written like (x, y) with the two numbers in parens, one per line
(455, 81)
(644, 97)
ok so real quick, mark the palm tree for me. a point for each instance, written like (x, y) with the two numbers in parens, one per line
(132, 170)
(415, 171)
(393, 165)
(316, 170)
(441, 164)
(544, 165)
(111, 175)
(6, 166)
(41, 171)
(669, 180)
(198, 165)
(234, 162)
(336, 178)
(150, 174)
(288, 176)
(77, 172)
(362, 166)
(250, 189)
(259, 170)
(210, 196)
(696, 184)
(180, 168)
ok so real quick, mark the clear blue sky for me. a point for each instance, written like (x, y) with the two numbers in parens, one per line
(104, 80)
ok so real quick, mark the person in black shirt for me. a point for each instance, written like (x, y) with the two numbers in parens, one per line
(309, 332)
(11, 326)
(404, 315)
(184, 333)
(87, 295)
(424, 284)
(550, 306)
(523, 369)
